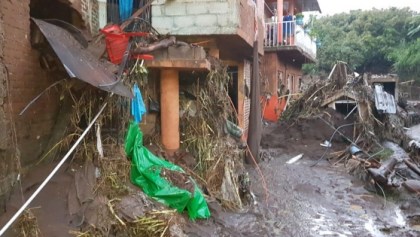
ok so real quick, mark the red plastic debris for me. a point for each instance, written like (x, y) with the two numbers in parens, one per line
(116, 43)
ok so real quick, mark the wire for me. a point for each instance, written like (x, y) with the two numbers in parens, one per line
(30, 199)
(332, 136)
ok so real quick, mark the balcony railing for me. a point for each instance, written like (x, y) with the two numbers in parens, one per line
(288, 33)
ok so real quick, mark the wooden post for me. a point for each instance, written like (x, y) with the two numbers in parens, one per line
(255, 117)
(169, 115)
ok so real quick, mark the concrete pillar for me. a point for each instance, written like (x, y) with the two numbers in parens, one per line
(169, 115)
(292, 7)
(280, 19)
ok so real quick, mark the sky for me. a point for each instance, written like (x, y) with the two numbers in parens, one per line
(330, 7)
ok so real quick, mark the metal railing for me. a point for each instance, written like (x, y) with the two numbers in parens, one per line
(288, 33)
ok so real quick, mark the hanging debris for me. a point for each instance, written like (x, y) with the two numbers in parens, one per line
(205, 134)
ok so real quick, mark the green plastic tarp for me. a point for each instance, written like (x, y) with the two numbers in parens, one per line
(145, 173)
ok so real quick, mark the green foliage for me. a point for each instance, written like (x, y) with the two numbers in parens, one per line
(414, 28)
(407, 60)
(309, 69)
(368, 40)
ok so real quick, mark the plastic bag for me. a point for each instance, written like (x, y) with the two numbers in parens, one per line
(137, 105)
(146, 171)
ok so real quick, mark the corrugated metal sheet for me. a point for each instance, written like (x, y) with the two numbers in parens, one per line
(384, 102)
(78, 62)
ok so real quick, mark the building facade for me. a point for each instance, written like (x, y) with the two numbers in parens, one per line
(287, 46)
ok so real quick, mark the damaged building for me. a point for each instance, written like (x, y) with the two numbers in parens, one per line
(23, 138)
(45, 43)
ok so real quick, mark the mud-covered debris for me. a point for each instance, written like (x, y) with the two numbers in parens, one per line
(178, 179)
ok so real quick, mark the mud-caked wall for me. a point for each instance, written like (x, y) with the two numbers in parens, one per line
(22, 80)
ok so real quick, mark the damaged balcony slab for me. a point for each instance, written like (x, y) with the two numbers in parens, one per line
(78, 62)
(184, 57)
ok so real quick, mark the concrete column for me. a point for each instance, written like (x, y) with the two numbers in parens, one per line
(280, 19)
(292, 7)
(169, 104)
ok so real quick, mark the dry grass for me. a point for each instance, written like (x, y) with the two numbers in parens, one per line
(203, 132)
(27, 225)
(115, 176)
(152, 224)
(155, 223)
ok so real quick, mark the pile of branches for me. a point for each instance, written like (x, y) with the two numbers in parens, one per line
(203, 134)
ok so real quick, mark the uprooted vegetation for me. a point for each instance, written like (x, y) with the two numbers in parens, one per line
(371, 141)
(218, 160)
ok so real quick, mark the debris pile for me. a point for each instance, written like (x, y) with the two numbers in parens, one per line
(355, 120)
(27, 225)
(101, 200)
(209, 134)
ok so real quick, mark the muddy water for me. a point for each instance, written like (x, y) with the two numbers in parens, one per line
(309, 201)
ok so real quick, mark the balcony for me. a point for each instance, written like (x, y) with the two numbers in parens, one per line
(291, 39)
(230, 23)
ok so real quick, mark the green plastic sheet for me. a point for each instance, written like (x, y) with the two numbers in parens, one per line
(145, 173)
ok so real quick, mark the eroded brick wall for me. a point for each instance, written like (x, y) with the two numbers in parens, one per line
(25, 80)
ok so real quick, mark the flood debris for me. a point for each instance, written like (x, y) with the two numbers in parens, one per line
(294, 159)
(384, 102)
(210, 134)
(77, 61)
(101, 201)
(376, 144)
(27, 225)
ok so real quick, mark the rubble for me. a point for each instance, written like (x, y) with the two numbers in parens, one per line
(378, 147)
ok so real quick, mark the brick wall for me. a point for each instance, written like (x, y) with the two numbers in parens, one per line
(8, 161)
(275, 65)
(25, 80)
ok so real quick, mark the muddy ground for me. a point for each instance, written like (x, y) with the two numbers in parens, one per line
(298, 200)
(306, 200)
